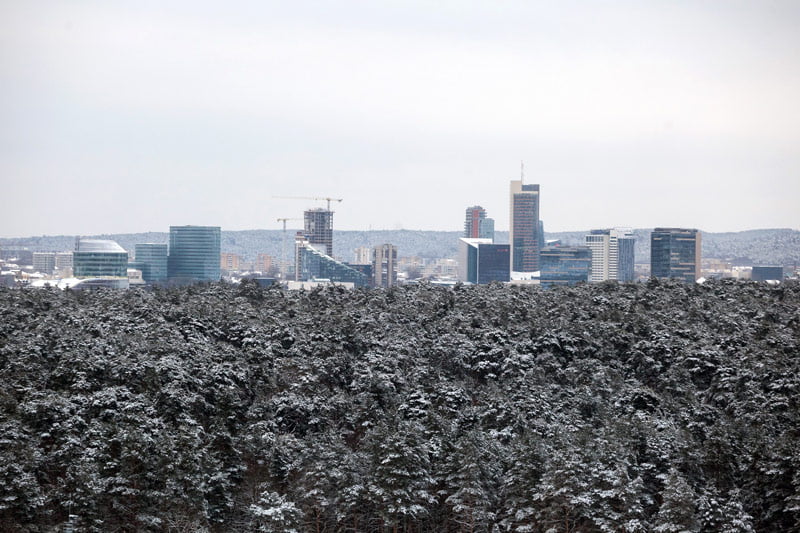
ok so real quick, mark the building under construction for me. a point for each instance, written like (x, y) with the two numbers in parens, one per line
(319, 228)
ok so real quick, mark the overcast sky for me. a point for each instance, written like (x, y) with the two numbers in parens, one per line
(132, 116)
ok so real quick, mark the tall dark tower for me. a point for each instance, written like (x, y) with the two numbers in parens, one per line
(524, 235)
(319, 228)
(675, 253)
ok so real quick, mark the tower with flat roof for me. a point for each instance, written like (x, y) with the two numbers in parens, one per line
(675, 253)
(194, 253)
(524, 234)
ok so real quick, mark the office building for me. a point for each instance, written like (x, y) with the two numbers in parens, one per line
(524, 227)
(565, 265)
(384, 265)
(100, 263)
(675, 253)
(63, 260)
(612, 254)
(318, 225)
(312, 264)
(151, 259)
(477, 225)
(480, 261)
(760, 273)
(44, 262)
(194, 253)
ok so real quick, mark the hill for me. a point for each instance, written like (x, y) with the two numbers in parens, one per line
(635, 407)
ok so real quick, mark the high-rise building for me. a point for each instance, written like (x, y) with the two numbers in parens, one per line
(318, 224)
(152, 260)
(312, 264)
(565, 265)
(477, 225)
(675, 253)
(612, 254)
(101, 263)
(524, 227)
(480, 261)
(384, 265)
(194, 253)
(44, 262)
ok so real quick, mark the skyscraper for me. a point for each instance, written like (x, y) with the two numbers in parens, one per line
(194, 253)
(153, 259)
(524, 227)
(612, 254)
(675, 253)
(480, 261)
(384, 265)
(318, 225)
(477, 225)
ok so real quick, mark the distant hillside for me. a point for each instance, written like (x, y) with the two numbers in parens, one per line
(762, 246)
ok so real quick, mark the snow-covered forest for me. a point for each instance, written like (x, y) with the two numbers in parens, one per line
(641, 407)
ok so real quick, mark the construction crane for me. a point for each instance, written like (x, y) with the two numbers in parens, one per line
(283, 246)
(316, 198)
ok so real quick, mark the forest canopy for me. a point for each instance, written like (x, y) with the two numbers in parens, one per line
(613, 407)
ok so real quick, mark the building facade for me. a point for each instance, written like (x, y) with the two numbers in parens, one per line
(101, 263)
(318, 226)
(384, 265)
(565, 265)
(312, 264)
(480, 261)
(524, 227)
(612, 254)
(230, 261)
(194, 253)
(760, 273)
(477, 225)
(675, 253)
(152, 260)
(44, 262)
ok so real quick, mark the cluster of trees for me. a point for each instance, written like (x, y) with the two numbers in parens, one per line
(639, 407)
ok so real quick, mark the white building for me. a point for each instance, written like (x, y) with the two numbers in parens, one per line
(612, 254)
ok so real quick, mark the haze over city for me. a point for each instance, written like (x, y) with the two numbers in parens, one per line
(135, 116)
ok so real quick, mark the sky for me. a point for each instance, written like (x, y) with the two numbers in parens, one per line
(123, 117)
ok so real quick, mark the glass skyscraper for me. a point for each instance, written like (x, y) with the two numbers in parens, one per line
(675, 253)
(152, 258)
(315, 265)
(480, 261)
(193, 253)
(100, 263)
(524, 233)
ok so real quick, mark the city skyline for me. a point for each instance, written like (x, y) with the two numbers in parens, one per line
(679, 114)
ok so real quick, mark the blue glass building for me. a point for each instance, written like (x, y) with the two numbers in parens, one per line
(564, 265)
(481, 261)
(194, 253)
(151, 259)
(675, 253)
(314, 265)
(100, 263)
